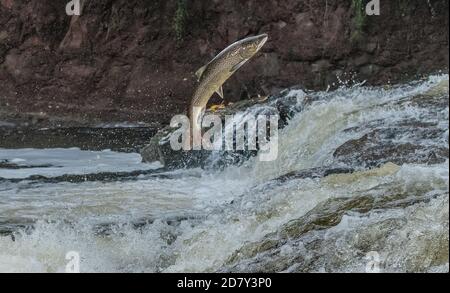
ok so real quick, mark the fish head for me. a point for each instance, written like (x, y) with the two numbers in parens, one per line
(242, 51)
(251, 45)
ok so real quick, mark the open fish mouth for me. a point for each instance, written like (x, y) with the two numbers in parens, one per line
(265, 38)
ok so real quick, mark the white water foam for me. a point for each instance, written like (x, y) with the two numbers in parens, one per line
(220, 212)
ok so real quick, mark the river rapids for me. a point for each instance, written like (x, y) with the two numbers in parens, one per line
(361, 184)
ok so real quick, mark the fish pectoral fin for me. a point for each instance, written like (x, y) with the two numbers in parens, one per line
(220, 92)
(237, 66)
(200, 72)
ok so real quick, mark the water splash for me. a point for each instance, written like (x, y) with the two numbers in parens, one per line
(244, 218)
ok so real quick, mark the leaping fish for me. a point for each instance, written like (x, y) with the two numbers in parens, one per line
(213, 75)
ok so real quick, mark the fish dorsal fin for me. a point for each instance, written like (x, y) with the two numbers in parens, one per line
(220, 92)
(200, 72)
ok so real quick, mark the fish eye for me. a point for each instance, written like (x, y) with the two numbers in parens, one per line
(244, 52)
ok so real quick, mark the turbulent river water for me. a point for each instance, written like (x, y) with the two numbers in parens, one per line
(361, 183)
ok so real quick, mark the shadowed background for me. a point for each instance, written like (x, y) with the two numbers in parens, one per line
(135, 60)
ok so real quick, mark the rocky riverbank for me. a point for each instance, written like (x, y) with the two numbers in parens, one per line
(123, 139)
(134, 60)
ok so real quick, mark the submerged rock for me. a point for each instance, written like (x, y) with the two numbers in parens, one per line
(339, 234)
(285, 104)
(5, 164)
(421, 141)
(384, 145)
(404, 141)
(319, 172)
(159, 148)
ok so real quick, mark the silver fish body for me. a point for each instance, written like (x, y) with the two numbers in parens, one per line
(212, 76)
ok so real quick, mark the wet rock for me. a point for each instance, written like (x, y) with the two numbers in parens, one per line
(406, 141)
(292, 101)
(428, 101)
(102, 176)
(384, 145)
(307, 244)
(8, 227)
(284, 105)
(324, 216)
(108, 229)
(5, 164)
(159, 148)
(319, 172)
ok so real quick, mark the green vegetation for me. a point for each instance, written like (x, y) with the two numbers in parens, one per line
(180, 20)
(359, 20)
